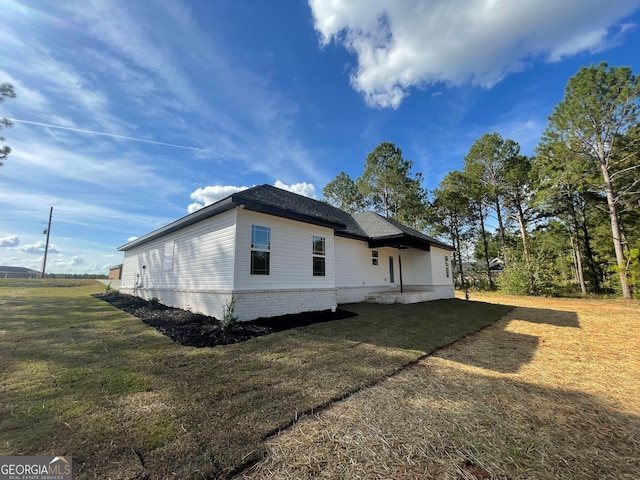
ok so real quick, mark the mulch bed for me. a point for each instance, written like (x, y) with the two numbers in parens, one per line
(196, 330)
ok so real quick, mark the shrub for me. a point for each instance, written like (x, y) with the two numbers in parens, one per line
(515, 280)
(518, 278)
(228, 317)
(154, 303)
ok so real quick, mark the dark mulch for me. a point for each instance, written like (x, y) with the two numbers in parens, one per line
(196, 330)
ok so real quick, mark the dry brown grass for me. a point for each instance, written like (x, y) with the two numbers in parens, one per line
(551, 391)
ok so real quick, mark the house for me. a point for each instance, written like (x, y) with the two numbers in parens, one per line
(275, 252)
(18, 272)
(496, 265)
(115, 272)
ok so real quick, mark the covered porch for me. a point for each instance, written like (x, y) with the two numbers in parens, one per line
(412, 294)
(409, 294)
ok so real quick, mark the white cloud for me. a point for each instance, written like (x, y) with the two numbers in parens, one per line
(118, 26)
(74, 264)
(32, 98)
(10, 241)
(131, 239)
(416, 43)
(526, 131)
(36, 152)
(302, 188)
(211, 194)
(194, 207)
(38, 248)
(593, 41)
(8, 260)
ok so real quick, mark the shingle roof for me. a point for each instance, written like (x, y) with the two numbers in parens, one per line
(17, 269)
(285, 203)
(267, 199)
(377, 226)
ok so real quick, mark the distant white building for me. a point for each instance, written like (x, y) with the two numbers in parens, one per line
(18, 272)
(275, 252)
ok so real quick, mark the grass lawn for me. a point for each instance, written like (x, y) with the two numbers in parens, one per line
(81, 378)
(549, 392)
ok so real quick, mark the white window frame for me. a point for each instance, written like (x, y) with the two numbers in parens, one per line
(320, 254)
(260, 248)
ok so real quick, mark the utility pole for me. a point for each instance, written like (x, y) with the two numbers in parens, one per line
(46, 247)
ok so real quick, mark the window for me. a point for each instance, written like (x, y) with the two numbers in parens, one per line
(374, 257)
(446, 265)
(319, 255)
(167, 263)
(260, 250)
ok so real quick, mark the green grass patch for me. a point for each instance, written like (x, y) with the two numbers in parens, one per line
(78, 377)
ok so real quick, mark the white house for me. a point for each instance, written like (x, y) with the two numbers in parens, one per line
(276, 252)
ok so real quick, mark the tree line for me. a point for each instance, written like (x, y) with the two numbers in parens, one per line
(565, 218)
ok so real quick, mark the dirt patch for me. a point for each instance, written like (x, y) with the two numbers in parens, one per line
(196, 330)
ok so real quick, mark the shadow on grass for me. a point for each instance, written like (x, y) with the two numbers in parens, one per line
(508, 351)
(428, 326)
(558, 318)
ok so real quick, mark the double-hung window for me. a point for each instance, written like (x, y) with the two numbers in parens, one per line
(319, 256)
(260, 250)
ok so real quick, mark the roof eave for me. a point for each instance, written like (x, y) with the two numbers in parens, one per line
(400, 241)
(229, 203)
(195, 217)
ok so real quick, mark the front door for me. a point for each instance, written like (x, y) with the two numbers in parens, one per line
(391, 276)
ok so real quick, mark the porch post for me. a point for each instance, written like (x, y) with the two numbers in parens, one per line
(400, 269)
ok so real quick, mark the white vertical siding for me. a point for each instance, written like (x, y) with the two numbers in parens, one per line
(291, 264)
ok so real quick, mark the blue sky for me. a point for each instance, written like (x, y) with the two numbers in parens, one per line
(132, 114)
